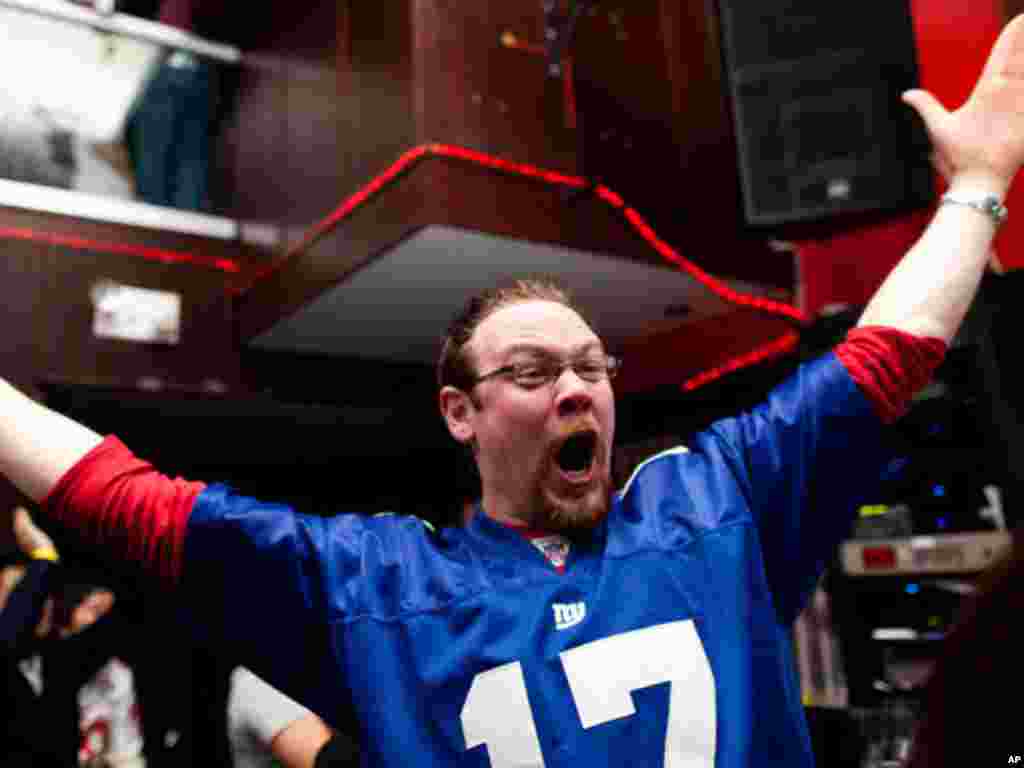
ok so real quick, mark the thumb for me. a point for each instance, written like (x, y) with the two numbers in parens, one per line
(926, 105)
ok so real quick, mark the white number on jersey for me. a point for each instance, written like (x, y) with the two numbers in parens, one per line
(497, 713)
(602, 676)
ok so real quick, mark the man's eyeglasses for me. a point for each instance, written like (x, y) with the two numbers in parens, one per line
(533, 374)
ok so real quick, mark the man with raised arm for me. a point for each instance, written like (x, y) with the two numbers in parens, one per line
(567, 624)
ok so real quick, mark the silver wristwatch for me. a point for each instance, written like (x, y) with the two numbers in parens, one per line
(990, 206)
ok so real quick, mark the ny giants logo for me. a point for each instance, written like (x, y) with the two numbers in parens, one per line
(569, 614)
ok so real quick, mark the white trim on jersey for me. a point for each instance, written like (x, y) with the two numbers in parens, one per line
(648, 460)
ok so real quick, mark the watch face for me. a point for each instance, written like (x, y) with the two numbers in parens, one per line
(996, 208)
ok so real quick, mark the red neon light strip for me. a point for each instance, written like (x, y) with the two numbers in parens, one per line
(507, 166)
(142, 251)
(780, 346)
(671, 255)
(395, 170)
(406, 160)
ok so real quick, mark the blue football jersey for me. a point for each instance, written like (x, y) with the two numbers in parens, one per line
(664, 643)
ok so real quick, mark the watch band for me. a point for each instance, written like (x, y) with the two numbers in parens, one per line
(990, 206)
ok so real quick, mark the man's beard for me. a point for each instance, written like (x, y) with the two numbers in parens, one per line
(571, 514)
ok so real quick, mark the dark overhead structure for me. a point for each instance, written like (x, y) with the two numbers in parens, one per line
(635, 105)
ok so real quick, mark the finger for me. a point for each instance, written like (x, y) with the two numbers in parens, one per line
(928, 107)
(1007, 56)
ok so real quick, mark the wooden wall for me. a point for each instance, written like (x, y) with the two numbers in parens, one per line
(282, 146)
(47, 312)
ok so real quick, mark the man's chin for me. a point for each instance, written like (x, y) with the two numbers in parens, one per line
(570, 513)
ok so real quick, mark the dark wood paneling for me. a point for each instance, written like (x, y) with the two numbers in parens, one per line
(445, 192)
(47, 310)
(375, 93)
(472, 91)
(280, 151)
(313, 161)
(653, 125)
(251, 149)
(476, 198)
(248, 256)
(389, 217)
(19, 308)
(205, 352)
(655, 128)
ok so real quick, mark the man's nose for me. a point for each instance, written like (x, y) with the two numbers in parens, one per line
(572, 393)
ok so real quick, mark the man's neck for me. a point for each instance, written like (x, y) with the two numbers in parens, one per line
(553, 545)
(505, 513)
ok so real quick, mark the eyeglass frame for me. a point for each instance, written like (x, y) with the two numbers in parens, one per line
(613, 365)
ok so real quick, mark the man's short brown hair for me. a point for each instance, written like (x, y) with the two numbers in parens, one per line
(454, 368)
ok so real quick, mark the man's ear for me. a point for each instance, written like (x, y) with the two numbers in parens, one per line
(457, 409)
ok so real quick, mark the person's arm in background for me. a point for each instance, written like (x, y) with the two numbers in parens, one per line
(262, 719)
(297, 744)
(25, 604)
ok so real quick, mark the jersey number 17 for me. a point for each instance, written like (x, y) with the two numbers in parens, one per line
(602, 676)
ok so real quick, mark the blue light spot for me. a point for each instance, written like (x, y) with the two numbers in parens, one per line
(941, 523)
(938, 490)
(898, 463)
(912, 589)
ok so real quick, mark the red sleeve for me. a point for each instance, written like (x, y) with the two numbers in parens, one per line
(123, 506)
(890, 366)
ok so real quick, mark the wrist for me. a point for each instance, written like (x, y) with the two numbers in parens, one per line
(988, 205)
(979, 184)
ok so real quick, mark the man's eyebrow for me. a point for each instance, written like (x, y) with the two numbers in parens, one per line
(536, 349)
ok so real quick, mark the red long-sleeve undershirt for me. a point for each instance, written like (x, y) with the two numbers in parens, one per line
(890, 366)
(120, 503)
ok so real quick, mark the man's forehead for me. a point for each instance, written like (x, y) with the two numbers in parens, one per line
(539, 324)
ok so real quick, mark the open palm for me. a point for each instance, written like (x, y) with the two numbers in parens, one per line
(983, 140)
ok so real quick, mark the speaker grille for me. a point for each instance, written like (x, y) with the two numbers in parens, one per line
(815, 96)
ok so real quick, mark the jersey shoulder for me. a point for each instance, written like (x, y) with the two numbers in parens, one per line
(677, 496)
(389, 565)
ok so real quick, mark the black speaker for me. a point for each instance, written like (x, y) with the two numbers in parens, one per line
(814, 90)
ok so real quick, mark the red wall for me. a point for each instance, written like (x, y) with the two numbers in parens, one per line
(953, 40)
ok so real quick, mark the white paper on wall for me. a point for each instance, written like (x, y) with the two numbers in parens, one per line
(135, 314)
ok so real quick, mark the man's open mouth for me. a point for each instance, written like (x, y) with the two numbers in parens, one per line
(577, 452)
